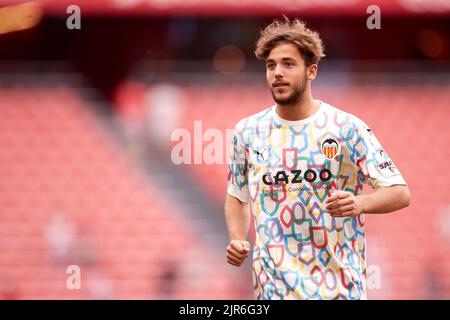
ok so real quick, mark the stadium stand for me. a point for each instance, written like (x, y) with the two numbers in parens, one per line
(70, 196)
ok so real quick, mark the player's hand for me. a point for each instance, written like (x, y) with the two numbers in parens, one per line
(343, 204)
(237, 251)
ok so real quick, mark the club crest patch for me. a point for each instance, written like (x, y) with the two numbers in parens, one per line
(330, 148)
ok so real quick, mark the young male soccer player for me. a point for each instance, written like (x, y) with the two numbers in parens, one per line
(301, 165)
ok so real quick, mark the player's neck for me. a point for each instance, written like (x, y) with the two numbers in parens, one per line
(304, 108)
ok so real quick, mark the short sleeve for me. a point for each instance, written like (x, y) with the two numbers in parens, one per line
(373, 162)
(237, 185)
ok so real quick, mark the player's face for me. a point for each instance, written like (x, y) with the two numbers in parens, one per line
(287, 75)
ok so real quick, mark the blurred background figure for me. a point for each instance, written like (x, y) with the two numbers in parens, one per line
(88, 112)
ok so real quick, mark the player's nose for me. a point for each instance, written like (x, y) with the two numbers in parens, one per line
(278, 72)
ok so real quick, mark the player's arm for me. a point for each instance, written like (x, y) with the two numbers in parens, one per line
(382, 200)
(237, 220)
(237, 217)
(385, 199)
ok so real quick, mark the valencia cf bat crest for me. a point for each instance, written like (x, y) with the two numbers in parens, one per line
(330, 148)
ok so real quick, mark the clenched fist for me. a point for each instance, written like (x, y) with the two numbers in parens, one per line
(343, 204)
(237, 251)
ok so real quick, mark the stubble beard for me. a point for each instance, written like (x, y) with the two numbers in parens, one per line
(293, 98)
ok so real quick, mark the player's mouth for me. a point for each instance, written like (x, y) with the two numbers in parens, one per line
(280, 85)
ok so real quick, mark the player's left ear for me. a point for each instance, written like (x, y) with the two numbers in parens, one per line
(311, 71)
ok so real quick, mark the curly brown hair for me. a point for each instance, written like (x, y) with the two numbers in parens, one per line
(308, 42)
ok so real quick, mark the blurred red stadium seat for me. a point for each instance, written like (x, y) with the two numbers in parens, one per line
(56, 160)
